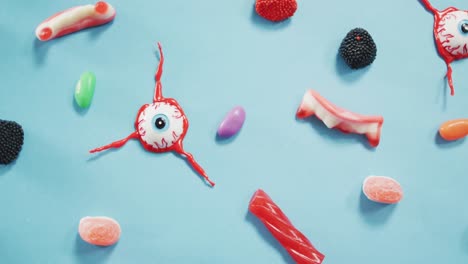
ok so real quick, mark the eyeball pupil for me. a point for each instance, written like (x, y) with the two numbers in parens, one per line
(160, 123)
(464, 27)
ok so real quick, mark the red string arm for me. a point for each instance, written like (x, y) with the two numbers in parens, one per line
(194, 164)
(116, 144)
(450, 80)
(428, 5)
(158, 90)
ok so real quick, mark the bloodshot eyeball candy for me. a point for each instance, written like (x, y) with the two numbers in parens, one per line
(161, 126)
(75, 19)
(451, 35)
(382, 189)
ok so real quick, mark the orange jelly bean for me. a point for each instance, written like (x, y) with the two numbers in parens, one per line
(454, 129)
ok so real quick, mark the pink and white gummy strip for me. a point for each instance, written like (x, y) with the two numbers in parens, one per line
(75, 19)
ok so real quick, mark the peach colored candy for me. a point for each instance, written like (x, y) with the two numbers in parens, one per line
(454, 129)
(99, 231)
(382, 189)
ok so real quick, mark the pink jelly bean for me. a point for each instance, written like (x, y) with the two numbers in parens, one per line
(99, 231)
(232, 123)
(382, 189)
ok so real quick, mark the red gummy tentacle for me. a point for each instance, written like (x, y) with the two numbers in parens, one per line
(158, 90)
(116, 144)
(450, 80)
(428, 5)
(297, 245)
(195, 165)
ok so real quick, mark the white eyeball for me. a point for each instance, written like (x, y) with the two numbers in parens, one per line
(161, 125)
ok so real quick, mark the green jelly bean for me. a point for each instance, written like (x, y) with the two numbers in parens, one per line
(84, 90)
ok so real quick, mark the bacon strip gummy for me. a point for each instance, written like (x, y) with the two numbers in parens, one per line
(75, 19)
(297, 245)
(335, 117)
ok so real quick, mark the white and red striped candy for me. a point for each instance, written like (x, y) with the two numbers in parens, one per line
(382, 189)
(75, 19)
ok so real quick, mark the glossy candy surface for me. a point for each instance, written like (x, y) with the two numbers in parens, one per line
(84, 90)
(99, 231)
(11, 141)
(232, 123)
(454, 129)
(276, 10)
(295, 243)
(382, 189)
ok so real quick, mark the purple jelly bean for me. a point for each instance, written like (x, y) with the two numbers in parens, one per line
(232, 123)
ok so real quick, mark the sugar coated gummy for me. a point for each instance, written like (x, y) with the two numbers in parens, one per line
(84, 90)
(99, 231)
(454, 129)
(382, 189)
(358, 49)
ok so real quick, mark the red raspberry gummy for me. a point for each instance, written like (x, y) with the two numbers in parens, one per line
(276, 10)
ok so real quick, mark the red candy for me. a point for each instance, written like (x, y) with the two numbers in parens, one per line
(161, 126)
(75, 19)
(382, 189)
(99, 231)
(276, 10)
(297, 245)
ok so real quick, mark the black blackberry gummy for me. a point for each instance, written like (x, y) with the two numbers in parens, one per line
(358, 49)
(11, 141)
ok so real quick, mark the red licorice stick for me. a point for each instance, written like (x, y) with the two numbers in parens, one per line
(297, 245)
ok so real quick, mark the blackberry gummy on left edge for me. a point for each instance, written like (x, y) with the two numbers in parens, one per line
(11, 141)
(358, 49)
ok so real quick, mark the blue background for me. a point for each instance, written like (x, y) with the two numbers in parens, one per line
(220, 54)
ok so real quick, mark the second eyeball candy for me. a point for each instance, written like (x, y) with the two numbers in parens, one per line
(232, 123)
(358, 49)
